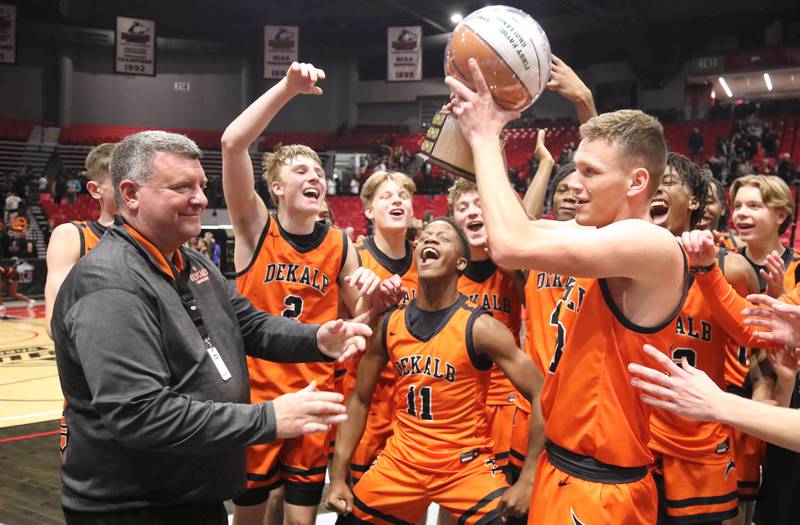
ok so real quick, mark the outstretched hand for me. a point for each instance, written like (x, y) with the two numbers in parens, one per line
(307, 411)
(478, 115)
(780, 321)
(684, 389)
(301, 78)
(342, 339)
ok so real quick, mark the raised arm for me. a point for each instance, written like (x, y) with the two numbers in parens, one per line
(340, 497)
(494, 340)
(248, 212)
(635, 249)
(537, 190)
(63, 251)
(569, 85)
(726, 305)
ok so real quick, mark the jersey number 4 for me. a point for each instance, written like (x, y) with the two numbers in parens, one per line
(294, 306)
(425, 406)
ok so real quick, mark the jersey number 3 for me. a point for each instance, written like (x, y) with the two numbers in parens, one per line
(294, 306)
(425, 406)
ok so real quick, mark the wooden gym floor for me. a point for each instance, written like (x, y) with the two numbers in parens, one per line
(30, 408)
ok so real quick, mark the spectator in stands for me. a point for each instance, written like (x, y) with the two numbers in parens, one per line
(14, 248)
(57, 188)
(12, 205)
(73, 186)
(769, 140)
(330, 188)
(786, 169)
(30, 251)
(214, 250)
(42, 184)
(696, 142)
(354, 187)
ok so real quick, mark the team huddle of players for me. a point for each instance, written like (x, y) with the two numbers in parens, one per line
(497, 386)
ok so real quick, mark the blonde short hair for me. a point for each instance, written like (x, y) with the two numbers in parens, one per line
(459, 188)
(98, 160)
(639, 139)
(271, 163)
(774, 192)
(374, 181)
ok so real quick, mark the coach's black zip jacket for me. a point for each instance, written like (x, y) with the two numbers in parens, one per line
(150, 419)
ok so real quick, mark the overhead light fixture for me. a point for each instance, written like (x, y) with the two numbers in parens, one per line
(713, 95)
(725, 87)
(768, 81)
(456, 18)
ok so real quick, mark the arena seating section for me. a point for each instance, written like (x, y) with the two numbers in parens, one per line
(75, 141)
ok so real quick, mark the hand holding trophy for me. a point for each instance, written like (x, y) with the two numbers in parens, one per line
(513, 54)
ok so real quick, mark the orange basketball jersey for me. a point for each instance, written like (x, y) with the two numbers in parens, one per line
(702, 341)
(543, 290)
(737, 365)
(90, 233)
(588, 404)
(494, 290)
(299, 281)
(440, 386)
(370, 257)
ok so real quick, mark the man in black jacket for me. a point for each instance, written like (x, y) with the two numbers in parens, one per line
(151, 343)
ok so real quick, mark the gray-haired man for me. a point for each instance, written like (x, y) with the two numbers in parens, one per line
(151, 342)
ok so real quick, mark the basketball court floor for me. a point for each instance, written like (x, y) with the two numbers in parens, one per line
(30, 407)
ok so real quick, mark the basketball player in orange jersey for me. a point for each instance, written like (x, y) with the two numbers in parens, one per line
(441, 348)
(695, 467)
(763, 209)
(289, 264)
(387, 199)
(717, 215)
(9, 283)
(496, 290)
(595, 468)
(72, 240)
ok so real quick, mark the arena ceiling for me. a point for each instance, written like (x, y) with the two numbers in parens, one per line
(654, 35)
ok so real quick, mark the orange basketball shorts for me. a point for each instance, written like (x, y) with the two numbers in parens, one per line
(394, 492)
(748, 453)
(501, 421)
(698, 492)
(560, 498)
(299, 464)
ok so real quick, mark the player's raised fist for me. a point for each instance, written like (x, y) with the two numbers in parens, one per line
(302, 78)
(700, 247)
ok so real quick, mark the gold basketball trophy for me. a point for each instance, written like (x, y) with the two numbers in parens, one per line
(513, 54)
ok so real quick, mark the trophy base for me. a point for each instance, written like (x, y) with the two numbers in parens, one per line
(444, 146)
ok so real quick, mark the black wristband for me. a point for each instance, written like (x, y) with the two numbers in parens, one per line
(698, 270)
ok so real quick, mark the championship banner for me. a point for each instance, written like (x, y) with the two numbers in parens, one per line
(135, 46)
(8, 34)
(404, 53)
(280, 50)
